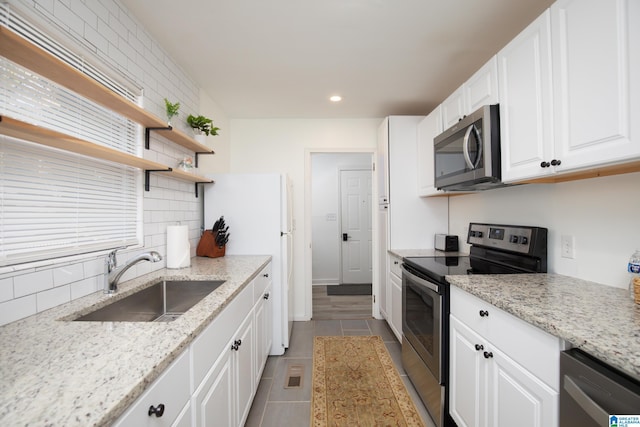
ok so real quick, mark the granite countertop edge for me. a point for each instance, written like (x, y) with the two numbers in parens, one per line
(598, 319)
(46, 357)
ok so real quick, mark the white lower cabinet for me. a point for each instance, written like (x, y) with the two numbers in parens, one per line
(491, 384)
(394, 317)
(224, 364)
(162, 403)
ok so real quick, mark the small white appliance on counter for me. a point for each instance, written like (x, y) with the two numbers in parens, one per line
(258, 210)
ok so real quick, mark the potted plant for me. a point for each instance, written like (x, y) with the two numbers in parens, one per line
(172, 109)
(202, 126)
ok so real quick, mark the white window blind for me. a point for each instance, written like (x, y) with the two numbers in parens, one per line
(54, 203)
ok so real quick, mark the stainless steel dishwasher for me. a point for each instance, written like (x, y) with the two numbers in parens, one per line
(591, 391)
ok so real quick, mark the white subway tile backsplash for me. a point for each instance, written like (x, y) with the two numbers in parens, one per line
(31, 283)
(105, 31)
(86, 287)
(85, 14)
(45, 5)
(16, 309)
(70, 19)
(94, 267)
(67, 274)
(53, 297)
(96, 39)
(6, 289)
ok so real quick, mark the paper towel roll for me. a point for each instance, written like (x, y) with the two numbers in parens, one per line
(178, 248)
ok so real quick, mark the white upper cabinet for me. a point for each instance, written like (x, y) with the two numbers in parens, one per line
(481, 89)
(428, 128)
(596, 54)
(526, 120)
(570, 92)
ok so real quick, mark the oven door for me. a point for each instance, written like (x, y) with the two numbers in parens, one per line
(422, 319)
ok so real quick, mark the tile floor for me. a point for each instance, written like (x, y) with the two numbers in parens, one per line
(275, 405)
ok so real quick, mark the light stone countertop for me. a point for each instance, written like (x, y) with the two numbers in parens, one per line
(423, 252)
(601, 320)
(59, 373)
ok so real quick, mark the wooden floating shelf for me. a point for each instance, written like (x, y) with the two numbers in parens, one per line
(28, 132)
(21, 51)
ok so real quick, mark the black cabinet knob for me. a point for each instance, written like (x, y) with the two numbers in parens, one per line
(395, 262)
(238, 342)
(266, 296)
(479, 347)
(157, 410)
(265, 275)
(556, 162)
(488, 355)
(234, 347)
(545, 164)
(484, 313)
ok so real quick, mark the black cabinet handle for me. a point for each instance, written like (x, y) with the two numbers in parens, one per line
(555, 162)
(395, 262)
(488, 355)
(158, 410)
(545, 164)
(479, 347)
(266, 296)
(265, 275)
(484, 313)
(234, 347)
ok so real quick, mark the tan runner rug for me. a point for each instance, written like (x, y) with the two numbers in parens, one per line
(356, 384)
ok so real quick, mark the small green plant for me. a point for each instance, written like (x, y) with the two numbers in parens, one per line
(172, 109)
(202, 124)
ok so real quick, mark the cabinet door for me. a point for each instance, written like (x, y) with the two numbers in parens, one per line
(467, 376)
(518, 397)
(595, 57)
(382, 165)
(243, 363)
(263, 319)
(213, 400)
(396, 306)
(453, 108)
(428, 128)
(482, 88)
(524, 69)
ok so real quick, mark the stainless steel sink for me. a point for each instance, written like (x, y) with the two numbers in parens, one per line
(163, 302)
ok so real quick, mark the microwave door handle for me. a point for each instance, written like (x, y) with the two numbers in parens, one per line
(465, 147)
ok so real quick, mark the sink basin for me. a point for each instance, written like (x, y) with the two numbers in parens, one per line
(163, 302)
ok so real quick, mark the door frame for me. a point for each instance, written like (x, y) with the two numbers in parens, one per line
(341, 246)
(307, 226)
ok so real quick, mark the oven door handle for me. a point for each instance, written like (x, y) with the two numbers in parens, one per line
(420, 280)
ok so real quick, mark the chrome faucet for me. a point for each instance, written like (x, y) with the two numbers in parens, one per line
(113, 273)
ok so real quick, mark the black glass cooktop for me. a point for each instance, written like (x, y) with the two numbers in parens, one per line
(439, 266)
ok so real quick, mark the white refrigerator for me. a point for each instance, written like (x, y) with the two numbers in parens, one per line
(258, 210)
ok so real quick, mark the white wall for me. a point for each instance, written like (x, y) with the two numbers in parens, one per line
(220, 161)
(325, 211)
(105, 33)
(282, 146)
(603, 214)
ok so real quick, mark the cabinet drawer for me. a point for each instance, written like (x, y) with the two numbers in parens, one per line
(171, 389)
(213, 340)
(531, 347)
(261, 282)
(394, 265)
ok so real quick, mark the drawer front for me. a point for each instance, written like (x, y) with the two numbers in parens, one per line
(261, 282)
(213, 340)
(394, 265)
(533, 348)
(171, 389)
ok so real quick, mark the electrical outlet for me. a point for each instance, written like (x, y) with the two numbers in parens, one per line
(567, 244)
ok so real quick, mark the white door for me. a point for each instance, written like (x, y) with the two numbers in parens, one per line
(356, 221)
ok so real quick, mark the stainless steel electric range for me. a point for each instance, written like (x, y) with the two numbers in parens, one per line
(495, 249)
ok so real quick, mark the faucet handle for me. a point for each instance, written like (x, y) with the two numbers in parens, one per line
(111, 260)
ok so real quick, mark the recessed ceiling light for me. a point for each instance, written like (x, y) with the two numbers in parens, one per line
(335, 98)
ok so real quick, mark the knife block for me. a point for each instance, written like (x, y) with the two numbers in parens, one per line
(207, 246)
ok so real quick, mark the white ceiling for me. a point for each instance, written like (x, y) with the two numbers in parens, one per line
(284, 58)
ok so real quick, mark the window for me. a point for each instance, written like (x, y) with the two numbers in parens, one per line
(54, 203)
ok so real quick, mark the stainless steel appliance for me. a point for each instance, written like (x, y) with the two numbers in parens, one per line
(467, 155)
(496, 249)
(591, 391)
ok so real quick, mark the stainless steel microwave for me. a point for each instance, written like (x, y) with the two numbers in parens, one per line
(467, 155)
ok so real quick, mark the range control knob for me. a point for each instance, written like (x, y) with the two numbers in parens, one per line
(513, 238)
(524, 240)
